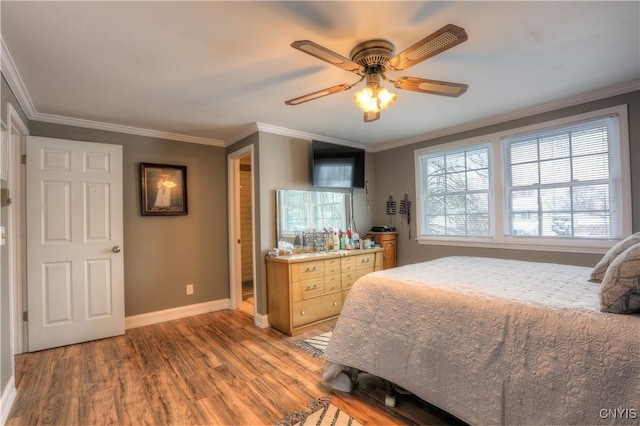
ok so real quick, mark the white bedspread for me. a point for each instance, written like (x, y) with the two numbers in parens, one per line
(495, 341)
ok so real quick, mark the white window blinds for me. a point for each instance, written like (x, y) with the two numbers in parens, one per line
(560, 183)
(455, 192)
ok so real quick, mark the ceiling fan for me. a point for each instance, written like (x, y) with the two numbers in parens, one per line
(371, 60)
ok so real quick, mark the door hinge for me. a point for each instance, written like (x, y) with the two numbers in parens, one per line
(25, 316)
(23, 159)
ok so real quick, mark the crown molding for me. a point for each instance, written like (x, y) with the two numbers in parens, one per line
(251, 129)
(10, 72)
(268, 128)
(97, 125)
(276, 130)
(595, 95)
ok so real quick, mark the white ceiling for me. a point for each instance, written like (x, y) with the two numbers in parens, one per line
(208, 71)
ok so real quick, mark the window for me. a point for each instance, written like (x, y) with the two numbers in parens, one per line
(455, 195)
(558, 182)
(561, 184)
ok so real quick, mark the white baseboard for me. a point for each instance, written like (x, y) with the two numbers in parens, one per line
(8, 396)
(175, 313)
(261, 321)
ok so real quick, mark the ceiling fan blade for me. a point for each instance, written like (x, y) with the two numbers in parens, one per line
(320, 52)
(434, 87)
(320, 93)
(441, 40)
(371, 116)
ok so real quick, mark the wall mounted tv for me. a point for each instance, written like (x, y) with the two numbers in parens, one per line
(337, 166)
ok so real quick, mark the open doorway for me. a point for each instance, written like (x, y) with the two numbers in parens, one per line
(241, 231)
(246, 235)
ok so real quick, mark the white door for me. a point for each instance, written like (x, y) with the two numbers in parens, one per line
(75, 268)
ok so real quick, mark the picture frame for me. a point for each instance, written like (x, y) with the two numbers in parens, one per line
(163, 189)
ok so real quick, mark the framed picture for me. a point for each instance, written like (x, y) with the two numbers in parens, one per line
(163, 189)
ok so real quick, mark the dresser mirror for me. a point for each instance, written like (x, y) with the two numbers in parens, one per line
(304, 217)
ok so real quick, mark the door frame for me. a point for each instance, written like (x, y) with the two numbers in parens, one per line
(17, 136)
(235, 256)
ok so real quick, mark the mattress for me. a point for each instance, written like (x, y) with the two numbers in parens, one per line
(494, 341)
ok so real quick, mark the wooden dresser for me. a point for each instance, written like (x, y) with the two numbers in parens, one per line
(388, 244)
(305, 291)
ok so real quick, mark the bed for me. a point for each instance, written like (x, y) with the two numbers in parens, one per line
(493, 341)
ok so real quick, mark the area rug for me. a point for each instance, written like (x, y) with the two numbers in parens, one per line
(315, 345)
(321, 413)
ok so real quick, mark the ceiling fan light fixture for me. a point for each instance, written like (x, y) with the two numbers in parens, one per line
(374, 98)
(366, 100)
(386, 98)
(371, 59)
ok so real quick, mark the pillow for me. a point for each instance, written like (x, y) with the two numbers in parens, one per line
(601, 267)
(620, 288)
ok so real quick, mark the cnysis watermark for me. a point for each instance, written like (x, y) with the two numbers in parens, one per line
(619, 413)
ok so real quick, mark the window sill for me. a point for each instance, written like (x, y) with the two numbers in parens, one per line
(586, 246)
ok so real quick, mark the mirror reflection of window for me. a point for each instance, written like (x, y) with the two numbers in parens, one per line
(311, 211)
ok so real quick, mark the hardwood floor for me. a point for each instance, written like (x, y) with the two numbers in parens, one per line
(216, 368)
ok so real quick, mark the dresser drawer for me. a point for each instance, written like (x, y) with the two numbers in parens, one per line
(365, 261)
(348, 278)
(332, 282)
(348, 264)
(307, 270)
(316, 309)
(331, 266)
(306, 289)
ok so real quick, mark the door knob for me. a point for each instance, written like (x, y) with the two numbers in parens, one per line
(115, 249)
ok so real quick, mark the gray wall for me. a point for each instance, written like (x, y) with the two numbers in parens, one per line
(282, 162)
(395, 173)
(163, 254)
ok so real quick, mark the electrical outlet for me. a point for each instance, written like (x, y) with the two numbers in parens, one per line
(189, 289)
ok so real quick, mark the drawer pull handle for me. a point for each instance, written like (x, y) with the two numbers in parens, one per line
(302, 312)
(366, 260)
(313, 287)
(310, 269)
(335, 303)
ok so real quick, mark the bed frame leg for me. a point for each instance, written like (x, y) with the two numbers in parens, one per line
(390, 397)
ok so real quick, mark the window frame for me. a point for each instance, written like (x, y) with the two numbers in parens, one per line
(481, 144)
(619, 157)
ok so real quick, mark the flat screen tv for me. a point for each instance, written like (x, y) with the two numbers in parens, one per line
(337, 166)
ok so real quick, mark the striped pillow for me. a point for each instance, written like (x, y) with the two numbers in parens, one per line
(601, 267)
(620, 288)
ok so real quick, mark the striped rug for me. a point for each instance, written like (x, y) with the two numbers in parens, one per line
(315, 345)
(321, 413)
